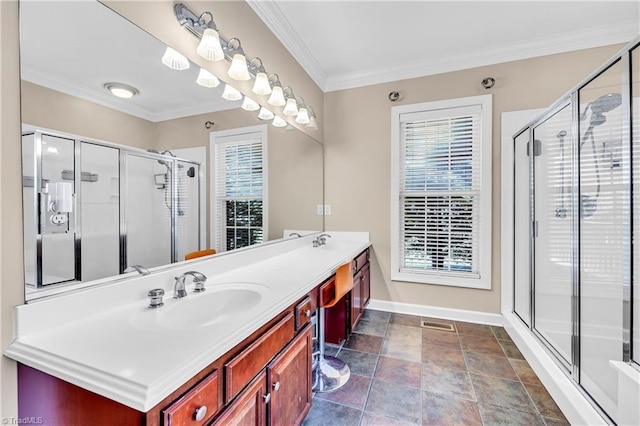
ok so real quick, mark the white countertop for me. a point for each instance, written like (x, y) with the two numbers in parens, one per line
(105, 339)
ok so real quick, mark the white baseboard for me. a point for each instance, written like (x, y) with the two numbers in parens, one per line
(436, 312)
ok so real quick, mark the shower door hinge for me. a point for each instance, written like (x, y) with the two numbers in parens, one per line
(537, 148)
(534, 228)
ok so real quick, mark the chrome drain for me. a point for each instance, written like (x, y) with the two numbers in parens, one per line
(438, 326)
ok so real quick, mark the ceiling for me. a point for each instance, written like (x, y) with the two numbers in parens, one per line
(344, 44)
(75, 47)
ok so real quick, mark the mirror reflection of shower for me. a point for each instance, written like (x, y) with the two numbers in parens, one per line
(163, 180)
(601, 106)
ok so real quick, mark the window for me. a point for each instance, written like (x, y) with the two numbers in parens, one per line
(441, 192)
(239, 182)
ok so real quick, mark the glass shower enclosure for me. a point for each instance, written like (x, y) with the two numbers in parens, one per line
(92, 209)
(576, 216)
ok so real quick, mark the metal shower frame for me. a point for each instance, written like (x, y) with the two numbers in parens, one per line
(571, 99)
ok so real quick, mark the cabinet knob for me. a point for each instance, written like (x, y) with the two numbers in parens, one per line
(266, 398)
(307, 313)
(200, 413)
(276, 386)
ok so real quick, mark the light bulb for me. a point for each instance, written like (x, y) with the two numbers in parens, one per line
(230, 93)
(277, 97)
(209, 47)
(313, 124)
(291, 108)
(238, 69)
(261, 86)
(265, 114)
(249, 104)
(278, 122)
(206, 79)
(174, 60)
(303, 116)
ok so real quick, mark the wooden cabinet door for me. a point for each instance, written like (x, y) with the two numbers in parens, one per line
(249, 408)
(365, 286)
(356, 300)
(290, 382)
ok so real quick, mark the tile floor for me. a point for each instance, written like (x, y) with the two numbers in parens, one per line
(403, 374)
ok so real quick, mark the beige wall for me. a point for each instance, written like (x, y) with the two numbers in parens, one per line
(234, 19)
(358, 151)
(50, 109)
(11, 275)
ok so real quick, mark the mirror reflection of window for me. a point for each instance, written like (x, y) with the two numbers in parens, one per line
(239, 184)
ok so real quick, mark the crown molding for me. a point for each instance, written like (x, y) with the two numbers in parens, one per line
(275, 20)
(540, 46)
(100, 97)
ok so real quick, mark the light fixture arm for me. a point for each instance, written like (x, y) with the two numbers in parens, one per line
(193, 23)
(288, 93)
(274, 79)
(256, 68)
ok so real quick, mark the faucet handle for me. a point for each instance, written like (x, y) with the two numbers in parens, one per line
(155, 298)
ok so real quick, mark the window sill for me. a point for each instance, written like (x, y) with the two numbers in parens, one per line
(475, 283)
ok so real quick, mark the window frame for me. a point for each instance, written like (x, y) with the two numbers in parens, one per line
(218, 137)
(484, 234)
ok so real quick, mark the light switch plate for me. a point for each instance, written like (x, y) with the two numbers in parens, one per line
(320, 210)
(327, 209)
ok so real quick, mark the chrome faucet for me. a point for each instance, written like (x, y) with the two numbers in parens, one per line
(295, 234)
(179, 290)
(141, 269)
(321, 240)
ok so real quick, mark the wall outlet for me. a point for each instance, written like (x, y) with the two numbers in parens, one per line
(327, 209)
(320, 210)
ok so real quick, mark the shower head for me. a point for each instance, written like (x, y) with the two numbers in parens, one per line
(601, 106)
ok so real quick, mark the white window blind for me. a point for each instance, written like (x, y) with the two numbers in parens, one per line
(439, 196)
(240, 190)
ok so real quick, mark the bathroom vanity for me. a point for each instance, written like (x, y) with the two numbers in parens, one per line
(192, 361)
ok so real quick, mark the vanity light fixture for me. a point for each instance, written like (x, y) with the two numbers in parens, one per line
(313, 124)
(261, 85)
(265, 114)
(277, 95)
(291, 107)
(210, 47)
(238, 69)
(230, 93)
(278, 122)
(249, 104)
(303, 114)
(206, 79)
(121, 90)
(174, 60)
(213, 46)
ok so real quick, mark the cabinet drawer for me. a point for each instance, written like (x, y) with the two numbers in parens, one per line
(188, 410)
(361, 260)
(250, 406)
(303, 312)
(244, 366)
(327, 292)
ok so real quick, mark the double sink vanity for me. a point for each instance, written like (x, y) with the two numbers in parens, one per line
(239, 352)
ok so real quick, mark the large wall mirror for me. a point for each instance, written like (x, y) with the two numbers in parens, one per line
(111, 182)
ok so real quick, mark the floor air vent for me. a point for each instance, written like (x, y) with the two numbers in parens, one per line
(438, 326)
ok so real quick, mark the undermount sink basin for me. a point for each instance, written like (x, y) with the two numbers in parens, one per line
(218, 304)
